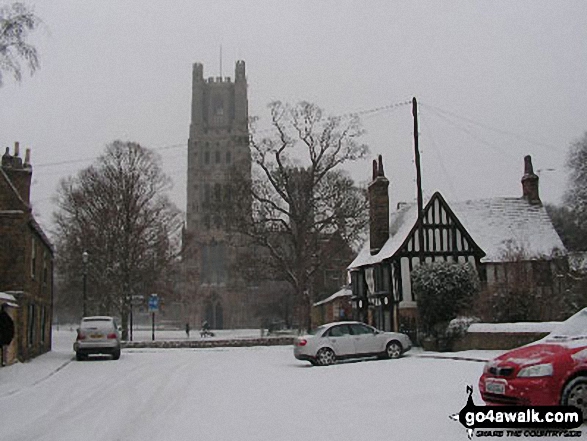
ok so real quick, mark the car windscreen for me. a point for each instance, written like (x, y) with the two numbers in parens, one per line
(574, 326)
(317, 331)
(97, 324)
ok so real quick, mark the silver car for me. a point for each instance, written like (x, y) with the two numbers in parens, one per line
(97, 335)
(340, 340)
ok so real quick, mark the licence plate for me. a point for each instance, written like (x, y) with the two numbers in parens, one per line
(96, 336)
(494, 387)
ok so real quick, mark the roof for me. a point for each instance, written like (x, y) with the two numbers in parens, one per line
(8, 299)
(502, 226)
(344, 292)
(499, 226)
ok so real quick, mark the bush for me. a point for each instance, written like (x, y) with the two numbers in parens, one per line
(443, 290)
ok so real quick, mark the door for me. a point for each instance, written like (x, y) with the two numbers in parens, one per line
(341, 340)
(366, 339)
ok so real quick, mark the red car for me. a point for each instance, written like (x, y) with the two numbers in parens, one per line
(549, 372)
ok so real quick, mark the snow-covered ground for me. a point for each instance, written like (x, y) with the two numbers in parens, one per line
(256, 393)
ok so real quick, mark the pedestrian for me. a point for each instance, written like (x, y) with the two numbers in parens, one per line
(187, 330)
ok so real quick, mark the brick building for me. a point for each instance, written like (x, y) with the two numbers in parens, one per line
(26, 262)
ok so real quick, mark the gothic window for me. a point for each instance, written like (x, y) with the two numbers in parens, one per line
(207, 193)
(206, 157)
(218, 106)
(213, 263)
(228, 157)
(217, 157)
(217, 193)
(207, 221)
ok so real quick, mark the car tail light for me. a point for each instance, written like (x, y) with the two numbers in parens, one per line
(302, 342)
(111, 335)
(81, 336)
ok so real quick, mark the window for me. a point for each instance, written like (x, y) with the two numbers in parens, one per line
(339, 331)
(361, 330)
(206, 157)
(217, 157)
(45, 272)
(31, 324)
(43, 323)
(213, 263)
(33, 257)
(217, 192)
(228, 157)
(206, 193)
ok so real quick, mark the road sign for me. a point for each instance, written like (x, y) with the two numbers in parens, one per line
(154, 303)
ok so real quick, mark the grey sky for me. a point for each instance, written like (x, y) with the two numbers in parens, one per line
(511, 74)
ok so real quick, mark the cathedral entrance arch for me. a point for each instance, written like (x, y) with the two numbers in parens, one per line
(213, 312)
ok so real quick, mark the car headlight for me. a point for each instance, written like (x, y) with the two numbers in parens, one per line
(538, 370)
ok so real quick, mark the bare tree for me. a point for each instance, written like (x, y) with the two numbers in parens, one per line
(116, 211)
(299, 202)
(16, 21)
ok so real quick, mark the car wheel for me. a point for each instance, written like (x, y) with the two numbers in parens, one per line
(393, 349)
(575, 394)
(79, 357)
(116, 355)
(325, 357)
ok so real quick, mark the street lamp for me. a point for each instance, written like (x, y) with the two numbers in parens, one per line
(85, 256)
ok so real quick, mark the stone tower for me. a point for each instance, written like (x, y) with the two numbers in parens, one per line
(218, 142)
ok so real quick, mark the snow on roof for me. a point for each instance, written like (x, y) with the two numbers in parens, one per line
(500, 225)
(344, 292)
(497, 225)
(401, 223)
(8, 299)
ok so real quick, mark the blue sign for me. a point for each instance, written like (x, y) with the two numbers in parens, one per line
(154, 303)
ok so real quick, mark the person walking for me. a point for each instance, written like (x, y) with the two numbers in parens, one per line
(187, 330)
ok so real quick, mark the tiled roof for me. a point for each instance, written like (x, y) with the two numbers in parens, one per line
(497, 225)
(504, 225)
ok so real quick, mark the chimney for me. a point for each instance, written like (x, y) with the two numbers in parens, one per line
(20, 175)
(530, 183)
(378, 208)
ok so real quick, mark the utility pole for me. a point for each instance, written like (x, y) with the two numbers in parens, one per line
(418, 182)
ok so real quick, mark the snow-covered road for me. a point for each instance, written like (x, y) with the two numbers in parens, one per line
(230, 394)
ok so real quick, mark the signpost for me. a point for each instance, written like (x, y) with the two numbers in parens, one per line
(153, 308)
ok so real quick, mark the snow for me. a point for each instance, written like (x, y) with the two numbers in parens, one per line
(514, 327)
(344, 292)
(246, 394)
(497, 225)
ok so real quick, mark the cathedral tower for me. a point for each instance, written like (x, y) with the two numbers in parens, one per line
(218, 142)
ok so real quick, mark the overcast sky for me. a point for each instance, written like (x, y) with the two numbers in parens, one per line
(496, 80)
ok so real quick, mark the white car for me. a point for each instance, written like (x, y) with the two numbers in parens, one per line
(97, 335)
(340, 340)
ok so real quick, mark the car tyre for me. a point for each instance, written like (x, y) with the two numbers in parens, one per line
(393, 349)
(79, 356)
(575, 394)
(325, 357)
(116, 354)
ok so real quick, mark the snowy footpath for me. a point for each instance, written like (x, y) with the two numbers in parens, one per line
(255, 393)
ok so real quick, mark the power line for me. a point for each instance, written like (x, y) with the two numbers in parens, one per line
(173, 146)
(496, 130)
